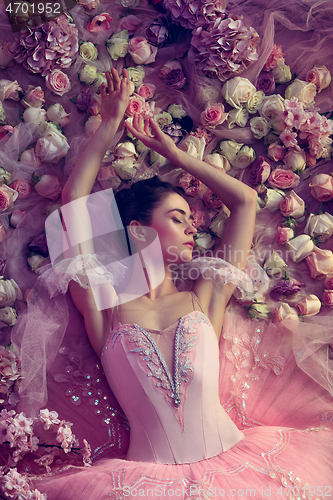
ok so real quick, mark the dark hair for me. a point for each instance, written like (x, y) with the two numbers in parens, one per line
(139, 201)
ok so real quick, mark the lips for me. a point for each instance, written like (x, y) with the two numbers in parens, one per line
(189, 243)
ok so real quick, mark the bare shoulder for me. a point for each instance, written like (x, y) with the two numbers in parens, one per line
(97, 322)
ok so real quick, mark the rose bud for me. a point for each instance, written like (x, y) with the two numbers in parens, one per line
(284, 234)
(321, 187)
(320, 76)
(309, 305)
(300, 247)
(258, 311)
(17, 218)
(276, 151)
(48, 186)
(292, 206)
(285, 312)
(260, 170)
(320, 262)
(329, 281)
(274, 264)
(327, 298)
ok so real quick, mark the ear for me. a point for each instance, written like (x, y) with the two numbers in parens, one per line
(137, 230)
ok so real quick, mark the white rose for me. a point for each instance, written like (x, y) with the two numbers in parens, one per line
(204, 241)
(259, 127)
(157, 158)
(284, 312)
(88, 51)
(29, 157)
(229, 149)
(36, 262)
(282, 73)
(237, 117)
(8, 315)
(254, 102)
(300, 247)
(237, 91)
(209, 94)
(245, 156)
(136, 75)
(53, 145)
(218, 161)
(193, 146)
(117, 45)
(101, 78)
(88, 74)
(125, 149)
(176, 111)
(319, 226)
(57, 114)
(4, 176)
(140, 146)
(258, 311)
(271, 106)
(163, 119)
(34, 115)
(274, 264)
(9, 292)
(124, 167)
(305, 92)
(219, 221)
(295, 160)
(274, 198)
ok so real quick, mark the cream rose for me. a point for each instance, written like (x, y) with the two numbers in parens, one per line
(218, 161)
(320, 76)
(319, 226)
(9, 90)
(117, 45)
(300, 247)
(193, 146)
(7, 197)
(125, 167)
(33, 97)
(176, 111)
(245, 156)
(204, 241)
(320, 262)
(271, 106)
(282, 73)
(284, 234)
(237, 91)
(58, 82)
(48, 186)
(29, 157)
(34, 115)
(36, 262)
(274, 198)
(238, 117)
(88, 51)
(163, 119)
(136, 75)
(258, 311)
(259, 127)
(209, 94)
(88, 74)
(229, 150)
(255, 101)
(292, 206)
(5, 176)
(309, 305)
(295, 160)
(125, 149)
(305, 92)
(284, 313)
(8, 315)
(9, 292)
(141, 51)
(52, 145)
(57, 114)
(274, 264)
(321, 187)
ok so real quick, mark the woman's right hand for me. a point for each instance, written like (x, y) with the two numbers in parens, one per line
(150, 134)
(114, 101)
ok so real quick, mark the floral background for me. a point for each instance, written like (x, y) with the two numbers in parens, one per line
(230, 88)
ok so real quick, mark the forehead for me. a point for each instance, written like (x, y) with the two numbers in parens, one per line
(173, 201)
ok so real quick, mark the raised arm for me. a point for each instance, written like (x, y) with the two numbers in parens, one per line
(114, 103)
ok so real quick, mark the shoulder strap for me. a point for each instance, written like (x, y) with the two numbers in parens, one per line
(195, 298)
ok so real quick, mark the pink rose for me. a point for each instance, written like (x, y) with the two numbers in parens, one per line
(198, 217)
(100, 23)
(211, 201)
(275, 56)
(321, 187)
(5, 130)
(33, 97)
(327, 298)
(95, 106)
(17, 218)
(285, 312)
(329, 281)
(320, 262)
(135, 105)
(141, 51)
(292, 206)
(129, 23)
(190, 184)
(213, 115)
(146, 90)
(284, 234)
(48, 186)
(29, 158)
(260, 170)
(283, 179)
(7, 197)
(320, 76)
(3, 234)
(276, 151)
(58, 82)
(9, 90)
(168, 67)
(108, 178)
(23, 188)
(309, 305)
(175, 79)
(6, 57)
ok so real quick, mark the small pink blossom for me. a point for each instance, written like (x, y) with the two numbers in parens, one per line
(198, 217)
(190, 184)
(65, 437)
(48, 418)
(211, 200)
(289, 138)
(275, 56)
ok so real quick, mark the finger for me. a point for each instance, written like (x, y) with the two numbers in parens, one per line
(116, 79)
(125, 73)
(147, 129)
(110, 82)
(103, 90)
(155, 127)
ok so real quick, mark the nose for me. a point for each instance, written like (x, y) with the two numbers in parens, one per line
(190, 229)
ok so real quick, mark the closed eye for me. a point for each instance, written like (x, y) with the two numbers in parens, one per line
(177, 220)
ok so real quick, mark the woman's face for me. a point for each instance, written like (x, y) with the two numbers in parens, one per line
(173, 222)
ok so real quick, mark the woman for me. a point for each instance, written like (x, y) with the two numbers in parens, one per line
(160, 353)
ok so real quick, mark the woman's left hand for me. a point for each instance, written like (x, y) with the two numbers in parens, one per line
(115, 101)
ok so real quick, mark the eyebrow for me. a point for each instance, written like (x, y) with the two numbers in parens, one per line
(181, 211)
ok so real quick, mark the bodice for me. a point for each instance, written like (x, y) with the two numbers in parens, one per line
(175, 416)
